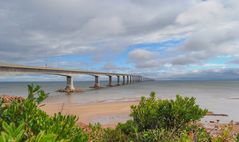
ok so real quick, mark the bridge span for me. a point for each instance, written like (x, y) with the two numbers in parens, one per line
(126, 78)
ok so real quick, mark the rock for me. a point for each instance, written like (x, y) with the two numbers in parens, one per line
(214, 114)
(69, 91)
(236, 123)
(9, 99)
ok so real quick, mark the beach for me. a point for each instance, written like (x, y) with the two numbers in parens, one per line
(108, 114)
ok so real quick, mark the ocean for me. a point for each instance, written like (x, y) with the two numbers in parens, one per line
(217, 96)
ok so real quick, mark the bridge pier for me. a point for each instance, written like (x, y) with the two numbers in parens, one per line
(118, 80)
(127, 79)
(123, 80)
(110, 81)
(69, 84)
(97, 83)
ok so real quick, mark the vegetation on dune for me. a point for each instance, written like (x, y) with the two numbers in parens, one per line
(153, 120)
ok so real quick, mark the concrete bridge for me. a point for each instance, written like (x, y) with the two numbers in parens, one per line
(127, 78)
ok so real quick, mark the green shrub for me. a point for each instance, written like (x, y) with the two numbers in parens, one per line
(166, 114)
(65, 127)
(157, 120)
(226, 135)
(12, 133)
(237, 138)
(37, 125)
(128, 127)
(160, 135)
(99, 134)
(154, 135)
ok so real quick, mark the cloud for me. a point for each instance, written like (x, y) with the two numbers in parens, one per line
(215, 24)
(215, 74)
(209, 29)
(110, 67)
(234, 61)
(32, 32)
(64, 27)
(184, 74)
(143, 58)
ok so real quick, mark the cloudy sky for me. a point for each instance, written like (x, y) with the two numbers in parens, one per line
(170, 39)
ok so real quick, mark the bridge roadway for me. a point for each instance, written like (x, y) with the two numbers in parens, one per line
(127, 78)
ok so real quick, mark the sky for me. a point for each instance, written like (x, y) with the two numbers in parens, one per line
(170, 39)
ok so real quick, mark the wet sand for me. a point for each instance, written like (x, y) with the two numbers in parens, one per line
(106, 113)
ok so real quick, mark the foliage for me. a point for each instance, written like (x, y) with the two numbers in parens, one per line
(99, 134)
(128, 127)
(155, 135)
(157, 120)
(35, 124)
(237, 138)
(1, 109)
(155, 113)
(226, 135)
(11, 133)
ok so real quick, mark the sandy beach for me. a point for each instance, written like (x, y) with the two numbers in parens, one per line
(106, 113)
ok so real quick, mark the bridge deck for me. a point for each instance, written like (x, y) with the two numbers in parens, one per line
(57, 71)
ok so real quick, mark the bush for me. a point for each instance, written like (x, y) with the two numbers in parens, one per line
(237, 138)
(154, 135)
(35, 124)
(157, 120)
(99, 134)
(173, 115)
(226, 135)
(128, 127)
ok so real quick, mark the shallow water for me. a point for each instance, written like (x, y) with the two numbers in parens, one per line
(217, 96)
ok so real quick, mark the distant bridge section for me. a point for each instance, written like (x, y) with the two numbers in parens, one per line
(127, 78)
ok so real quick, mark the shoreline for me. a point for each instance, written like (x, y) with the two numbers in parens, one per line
(108, 113)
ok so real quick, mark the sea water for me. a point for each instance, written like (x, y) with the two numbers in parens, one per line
(217, 96)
